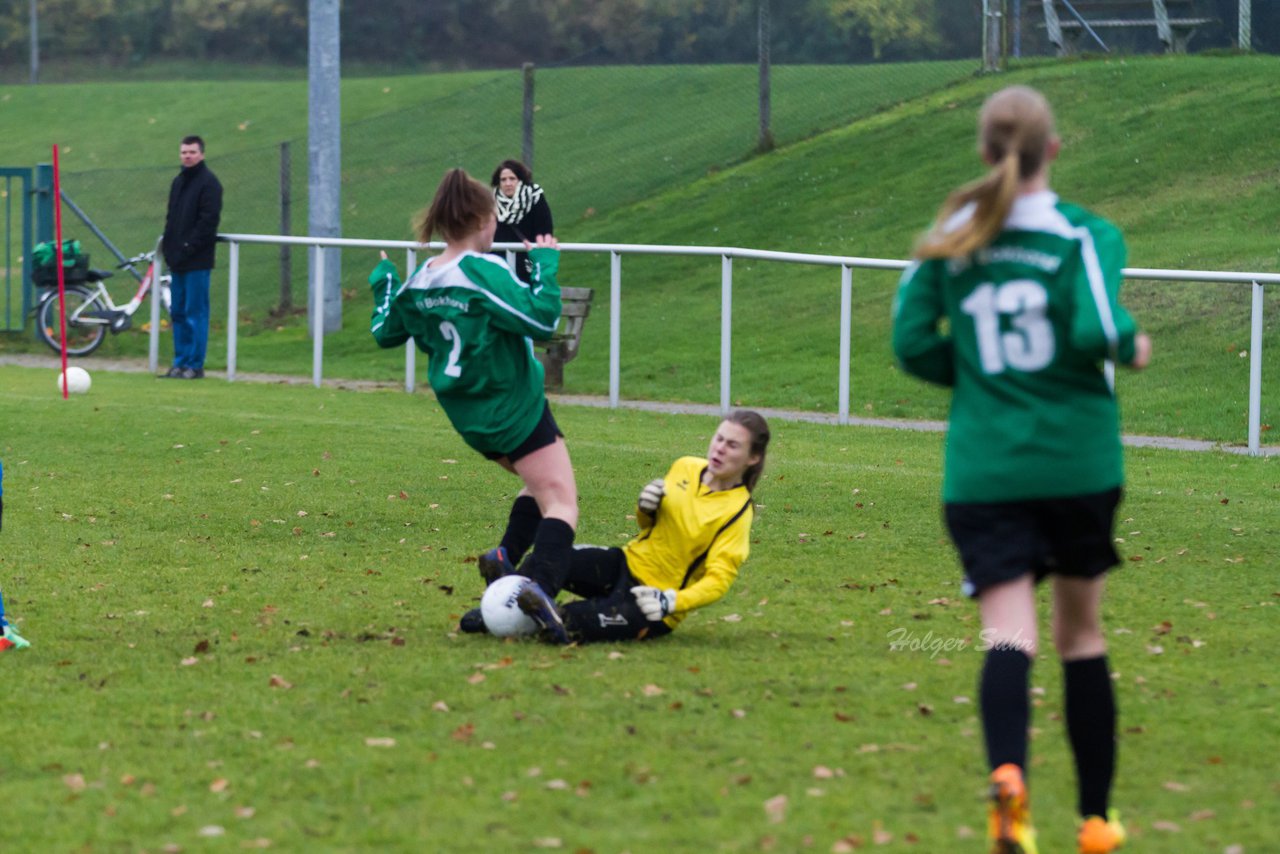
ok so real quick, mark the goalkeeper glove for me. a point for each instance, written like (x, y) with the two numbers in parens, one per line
(655, 603)
(651, 496)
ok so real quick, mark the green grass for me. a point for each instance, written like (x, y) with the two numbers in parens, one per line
(1164, 146)
(237, 593)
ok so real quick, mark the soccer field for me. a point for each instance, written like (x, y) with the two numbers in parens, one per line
(242, 599)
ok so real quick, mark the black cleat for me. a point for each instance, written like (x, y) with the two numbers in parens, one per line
(473, 623)
(494, 564)
(534, 601)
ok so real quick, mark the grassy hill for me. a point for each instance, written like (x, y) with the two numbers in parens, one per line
(1167, 147)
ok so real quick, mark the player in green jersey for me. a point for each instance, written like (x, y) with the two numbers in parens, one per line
(474, 318)
(1013, 301)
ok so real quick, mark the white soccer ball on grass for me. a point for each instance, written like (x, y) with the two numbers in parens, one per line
(502, 615)
(78, 381)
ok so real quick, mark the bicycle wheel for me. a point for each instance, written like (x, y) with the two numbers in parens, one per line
(83, 337)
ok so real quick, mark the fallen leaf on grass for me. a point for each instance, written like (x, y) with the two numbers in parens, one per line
(651, 691)
(219, 785)
(775, 809)
(279, 682)
(74, 782)
(211, 830)
(847, 844)
(376, 741)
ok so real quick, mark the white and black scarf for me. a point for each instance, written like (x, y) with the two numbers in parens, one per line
(514, 209)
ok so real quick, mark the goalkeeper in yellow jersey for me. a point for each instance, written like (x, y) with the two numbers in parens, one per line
(695, 532)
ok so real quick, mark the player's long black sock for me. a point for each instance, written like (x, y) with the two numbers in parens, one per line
(549, 563)
(522, 527)
(1006, 708)
(1091, 728)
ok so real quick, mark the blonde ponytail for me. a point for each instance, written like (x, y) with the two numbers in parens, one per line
(1014, 130)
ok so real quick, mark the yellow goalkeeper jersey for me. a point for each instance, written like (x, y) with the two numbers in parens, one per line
(697, 542)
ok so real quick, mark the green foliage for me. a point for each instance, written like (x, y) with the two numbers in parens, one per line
(474, 33)
(241, 600)
(885, 22)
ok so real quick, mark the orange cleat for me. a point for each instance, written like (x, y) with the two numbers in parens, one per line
(1100, 835)
(1009, 815)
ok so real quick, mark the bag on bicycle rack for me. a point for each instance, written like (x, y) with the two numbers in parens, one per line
(44, 257)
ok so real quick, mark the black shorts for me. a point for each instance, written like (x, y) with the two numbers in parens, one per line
(545, 432)
(1002, 541)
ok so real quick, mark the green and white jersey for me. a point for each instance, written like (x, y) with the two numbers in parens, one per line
(1019, 329)
(475, 319)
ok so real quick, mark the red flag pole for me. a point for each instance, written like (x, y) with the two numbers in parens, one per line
(62, 284)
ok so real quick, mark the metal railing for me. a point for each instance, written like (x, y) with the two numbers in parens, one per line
(847, 264)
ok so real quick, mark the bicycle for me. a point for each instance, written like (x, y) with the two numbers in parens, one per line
(90, 310)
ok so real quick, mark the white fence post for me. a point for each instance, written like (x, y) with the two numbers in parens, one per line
(1255, 372)
(153, 344)
(615, 326)
(846, 324)
(726, 328)
(233, 308)
(316, 294)
(410, 346)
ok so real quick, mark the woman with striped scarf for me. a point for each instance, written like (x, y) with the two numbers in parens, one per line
(523, 212)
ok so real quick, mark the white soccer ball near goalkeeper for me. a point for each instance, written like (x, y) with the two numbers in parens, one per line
(502, 615)
(78, 381)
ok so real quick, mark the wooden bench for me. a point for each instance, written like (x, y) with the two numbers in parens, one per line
(562, 347)
(1065, 30)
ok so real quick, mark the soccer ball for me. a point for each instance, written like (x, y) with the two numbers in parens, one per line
(78, 381)
(502, 615)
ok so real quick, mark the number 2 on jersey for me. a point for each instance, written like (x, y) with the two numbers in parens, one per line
(1029, 345)
(453, 368)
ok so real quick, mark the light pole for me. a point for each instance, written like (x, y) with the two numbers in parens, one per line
(324, 153)
(35, 46)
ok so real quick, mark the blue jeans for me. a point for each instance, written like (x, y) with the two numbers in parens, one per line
(190, 315)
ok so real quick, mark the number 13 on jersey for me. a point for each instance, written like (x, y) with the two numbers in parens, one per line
(1029, 344)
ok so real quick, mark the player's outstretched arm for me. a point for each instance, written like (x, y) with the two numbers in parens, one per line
(386, 324)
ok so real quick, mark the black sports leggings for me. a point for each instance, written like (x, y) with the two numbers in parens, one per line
(607, 611)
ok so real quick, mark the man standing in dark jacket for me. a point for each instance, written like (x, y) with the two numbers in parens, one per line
(190, 237)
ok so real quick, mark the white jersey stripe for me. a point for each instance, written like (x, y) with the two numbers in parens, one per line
(427, 279)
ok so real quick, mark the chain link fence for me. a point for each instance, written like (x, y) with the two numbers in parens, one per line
(603, 138)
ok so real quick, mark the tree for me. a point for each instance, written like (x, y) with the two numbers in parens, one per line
(910, 23)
